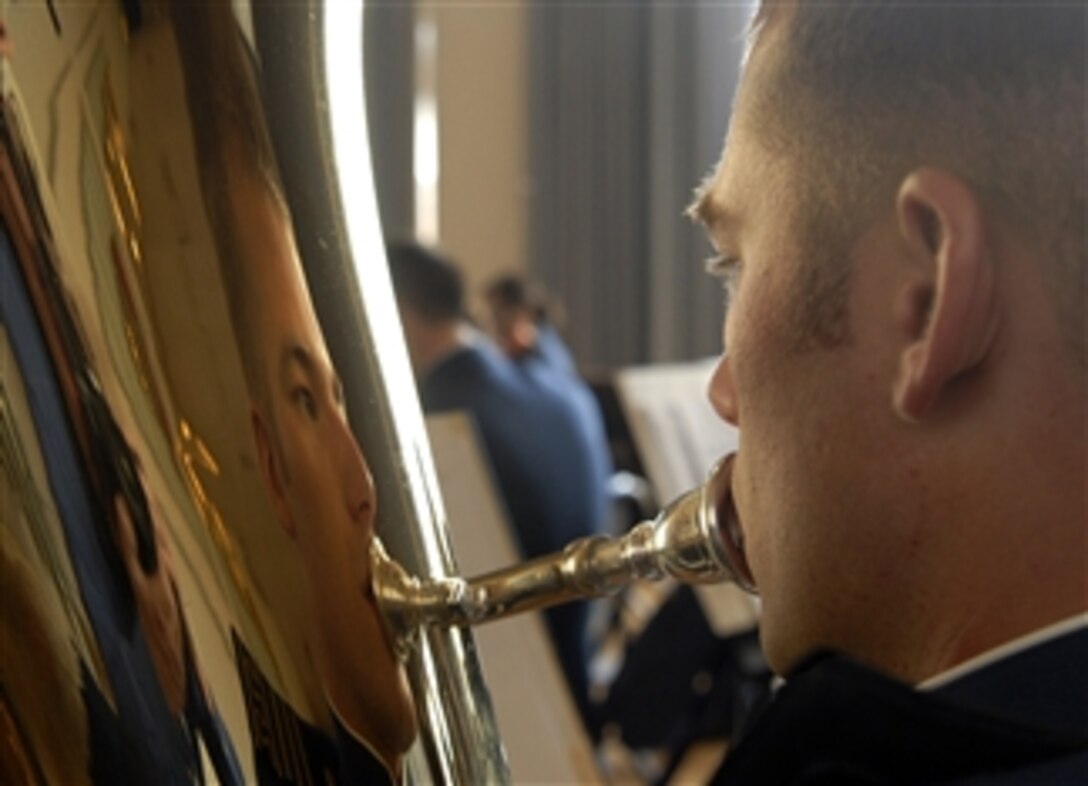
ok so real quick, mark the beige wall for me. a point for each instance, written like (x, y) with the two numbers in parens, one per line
(483, 137)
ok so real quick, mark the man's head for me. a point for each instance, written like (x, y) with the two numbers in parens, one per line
(515, 306)
(900, 213)
(857, 95)
(430, 294)
(318, 478)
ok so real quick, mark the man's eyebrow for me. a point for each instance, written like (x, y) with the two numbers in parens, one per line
(296, 354)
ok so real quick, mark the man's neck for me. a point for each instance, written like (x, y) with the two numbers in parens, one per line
(1047, 633)
(441, 342)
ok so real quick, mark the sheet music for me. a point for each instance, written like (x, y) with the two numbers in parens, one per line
(679, 437)
(676, 431)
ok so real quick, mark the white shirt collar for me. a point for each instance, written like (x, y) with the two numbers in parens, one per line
(1005, 650)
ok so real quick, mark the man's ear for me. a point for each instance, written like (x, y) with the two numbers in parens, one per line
(947, 308)
(271, 471)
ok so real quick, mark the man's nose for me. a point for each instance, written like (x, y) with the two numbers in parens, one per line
(722, 394)
(357, 484)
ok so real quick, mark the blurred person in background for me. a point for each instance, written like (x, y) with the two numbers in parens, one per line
(546, 447)
(522, 319)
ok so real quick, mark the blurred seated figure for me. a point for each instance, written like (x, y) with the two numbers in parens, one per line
(523, 323)
(524, 320)
(540, 428)
(521, 318)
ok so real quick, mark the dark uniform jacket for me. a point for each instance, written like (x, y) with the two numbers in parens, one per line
(1022, 719)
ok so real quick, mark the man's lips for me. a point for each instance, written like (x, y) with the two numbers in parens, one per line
(728, 520)
(371, 600)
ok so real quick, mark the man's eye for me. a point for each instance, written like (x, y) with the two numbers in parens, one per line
(303, 398)
(727, 269)
(338, 398)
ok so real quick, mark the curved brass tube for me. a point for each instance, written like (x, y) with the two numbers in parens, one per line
(696, 539)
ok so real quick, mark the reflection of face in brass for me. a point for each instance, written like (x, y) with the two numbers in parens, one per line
(316, 475)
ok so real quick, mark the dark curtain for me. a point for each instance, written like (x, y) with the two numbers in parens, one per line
(628, 106)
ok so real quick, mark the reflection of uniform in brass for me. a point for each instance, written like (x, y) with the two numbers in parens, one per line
(696, 539)
(286, 748)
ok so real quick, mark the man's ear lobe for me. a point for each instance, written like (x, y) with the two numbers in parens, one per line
(947, 308)
(271, 471)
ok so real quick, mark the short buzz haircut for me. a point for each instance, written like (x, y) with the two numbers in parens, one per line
(426, 282)
(858, 93)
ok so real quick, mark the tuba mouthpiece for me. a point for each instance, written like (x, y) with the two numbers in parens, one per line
(696, 539)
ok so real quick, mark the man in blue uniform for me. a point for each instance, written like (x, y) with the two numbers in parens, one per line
(522, 323)
(538, 424)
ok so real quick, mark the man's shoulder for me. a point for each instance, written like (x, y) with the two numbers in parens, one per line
(837, 719)
(464, 379)
(1044, 683)
(553, 349)
(1071, 770)
(464, 359)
